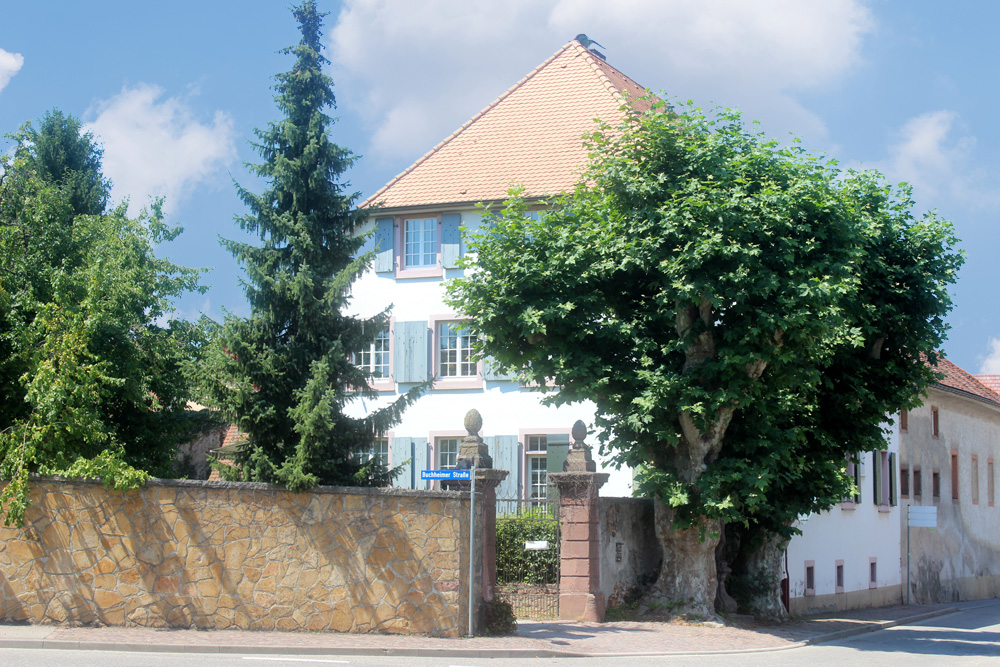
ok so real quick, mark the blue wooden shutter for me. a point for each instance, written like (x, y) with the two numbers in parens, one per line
(411, 351)
(557, 449)
(451, 240)
(492, 372)
(506, 453)
(384, 234)
(421, 461)
(400, 455)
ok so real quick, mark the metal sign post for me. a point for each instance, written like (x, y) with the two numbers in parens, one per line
(472, 539)
(918, 516)
(465, 475)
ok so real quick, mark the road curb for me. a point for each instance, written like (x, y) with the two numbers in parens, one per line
(230, 649)
(877, 625)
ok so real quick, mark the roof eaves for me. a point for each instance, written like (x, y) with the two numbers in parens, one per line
(449, 206)
(967, 394)
(374, 198)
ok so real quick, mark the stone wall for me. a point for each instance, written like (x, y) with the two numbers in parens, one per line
(630, 552)
(187, 554)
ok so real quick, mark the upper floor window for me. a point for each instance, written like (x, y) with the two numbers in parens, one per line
(420, 243)
(455, 351)
(375, 357)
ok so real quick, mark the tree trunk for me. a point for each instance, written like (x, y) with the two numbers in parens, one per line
(765, 564)
(687, 583)
(724, 603)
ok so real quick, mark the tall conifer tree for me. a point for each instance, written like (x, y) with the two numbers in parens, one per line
(288, 371)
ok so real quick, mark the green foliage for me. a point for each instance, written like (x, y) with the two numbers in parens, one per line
(91, 383)
(742, 315)
(286, 372)
(515, 564)
(500, 618)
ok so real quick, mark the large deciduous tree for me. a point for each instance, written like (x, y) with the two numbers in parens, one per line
(90, 382)
(287, 369)
(722, 300)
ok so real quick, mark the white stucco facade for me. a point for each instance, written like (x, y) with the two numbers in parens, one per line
(850, 538)
(510, 411)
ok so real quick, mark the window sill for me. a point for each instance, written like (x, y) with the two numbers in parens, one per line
(884, 509)
(421, 272)
(383, 385)
(457, 383)
(847, 505)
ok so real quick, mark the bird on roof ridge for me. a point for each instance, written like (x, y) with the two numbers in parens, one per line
(586, 42)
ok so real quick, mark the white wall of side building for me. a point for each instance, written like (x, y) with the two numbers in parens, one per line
(509, 411)
(854, 535)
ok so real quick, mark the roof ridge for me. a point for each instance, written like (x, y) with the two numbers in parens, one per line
(598, 67)
(530, 75)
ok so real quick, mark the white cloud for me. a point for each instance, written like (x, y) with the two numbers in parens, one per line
(10, 64)
(416, 71)
(156, 147)
(991, 364)
(933, 156)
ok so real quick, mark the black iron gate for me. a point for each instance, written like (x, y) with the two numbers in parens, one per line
(528, 557)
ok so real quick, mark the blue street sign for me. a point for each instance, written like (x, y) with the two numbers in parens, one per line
(446, 474)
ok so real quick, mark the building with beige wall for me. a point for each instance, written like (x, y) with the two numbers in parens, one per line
(948, 450)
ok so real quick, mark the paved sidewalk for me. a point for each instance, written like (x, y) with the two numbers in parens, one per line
(534, 639)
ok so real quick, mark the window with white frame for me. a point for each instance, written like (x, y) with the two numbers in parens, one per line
(378, 449)
(420, 242)
(455, 351)
(536, 449)
(447, 453)
(375, 357)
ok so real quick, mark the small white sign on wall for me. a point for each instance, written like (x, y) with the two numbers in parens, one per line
(922, 516)
(536, 545)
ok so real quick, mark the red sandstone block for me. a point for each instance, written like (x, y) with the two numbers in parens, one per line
(584, 550)
(579, 531)
(568, 584)
(572, 606)
(577, 567)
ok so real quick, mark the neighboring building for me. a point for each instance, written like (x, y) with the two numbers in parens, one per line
(941, 455)
(531, 135)
(848, 556)
(947, 454)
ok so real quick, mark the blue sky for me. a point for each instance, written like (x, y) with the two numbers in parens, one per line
(173, 90)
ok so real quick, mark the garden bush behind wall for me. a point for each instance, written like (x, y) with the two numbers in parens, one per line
(219, 555)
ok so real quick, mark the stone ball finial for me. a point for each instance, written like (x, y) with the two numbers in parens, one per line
(579, 431)
(473, 421)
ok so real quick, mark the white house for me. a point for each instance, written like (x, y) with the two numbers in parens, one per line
(531, 135)
(848, 556)
(939, 456)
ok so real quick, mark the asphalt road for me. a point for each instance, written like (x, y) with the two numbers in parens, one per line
(969, 637)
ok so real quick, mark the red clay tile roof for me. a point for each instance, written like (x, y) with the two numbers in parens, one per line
(532, 134)
(991, 381)
(959, 380)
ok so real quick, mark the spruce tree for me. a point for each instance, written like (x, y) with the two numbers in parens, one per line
(288, 373)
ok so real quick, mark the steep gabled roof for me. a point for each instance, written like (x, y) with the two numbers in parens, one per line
(991, 381)
(532, 134)
(960, 381)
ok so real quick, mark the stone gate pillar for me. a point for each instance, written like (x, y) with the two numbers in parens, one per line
(474, 450)
(580, 598)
